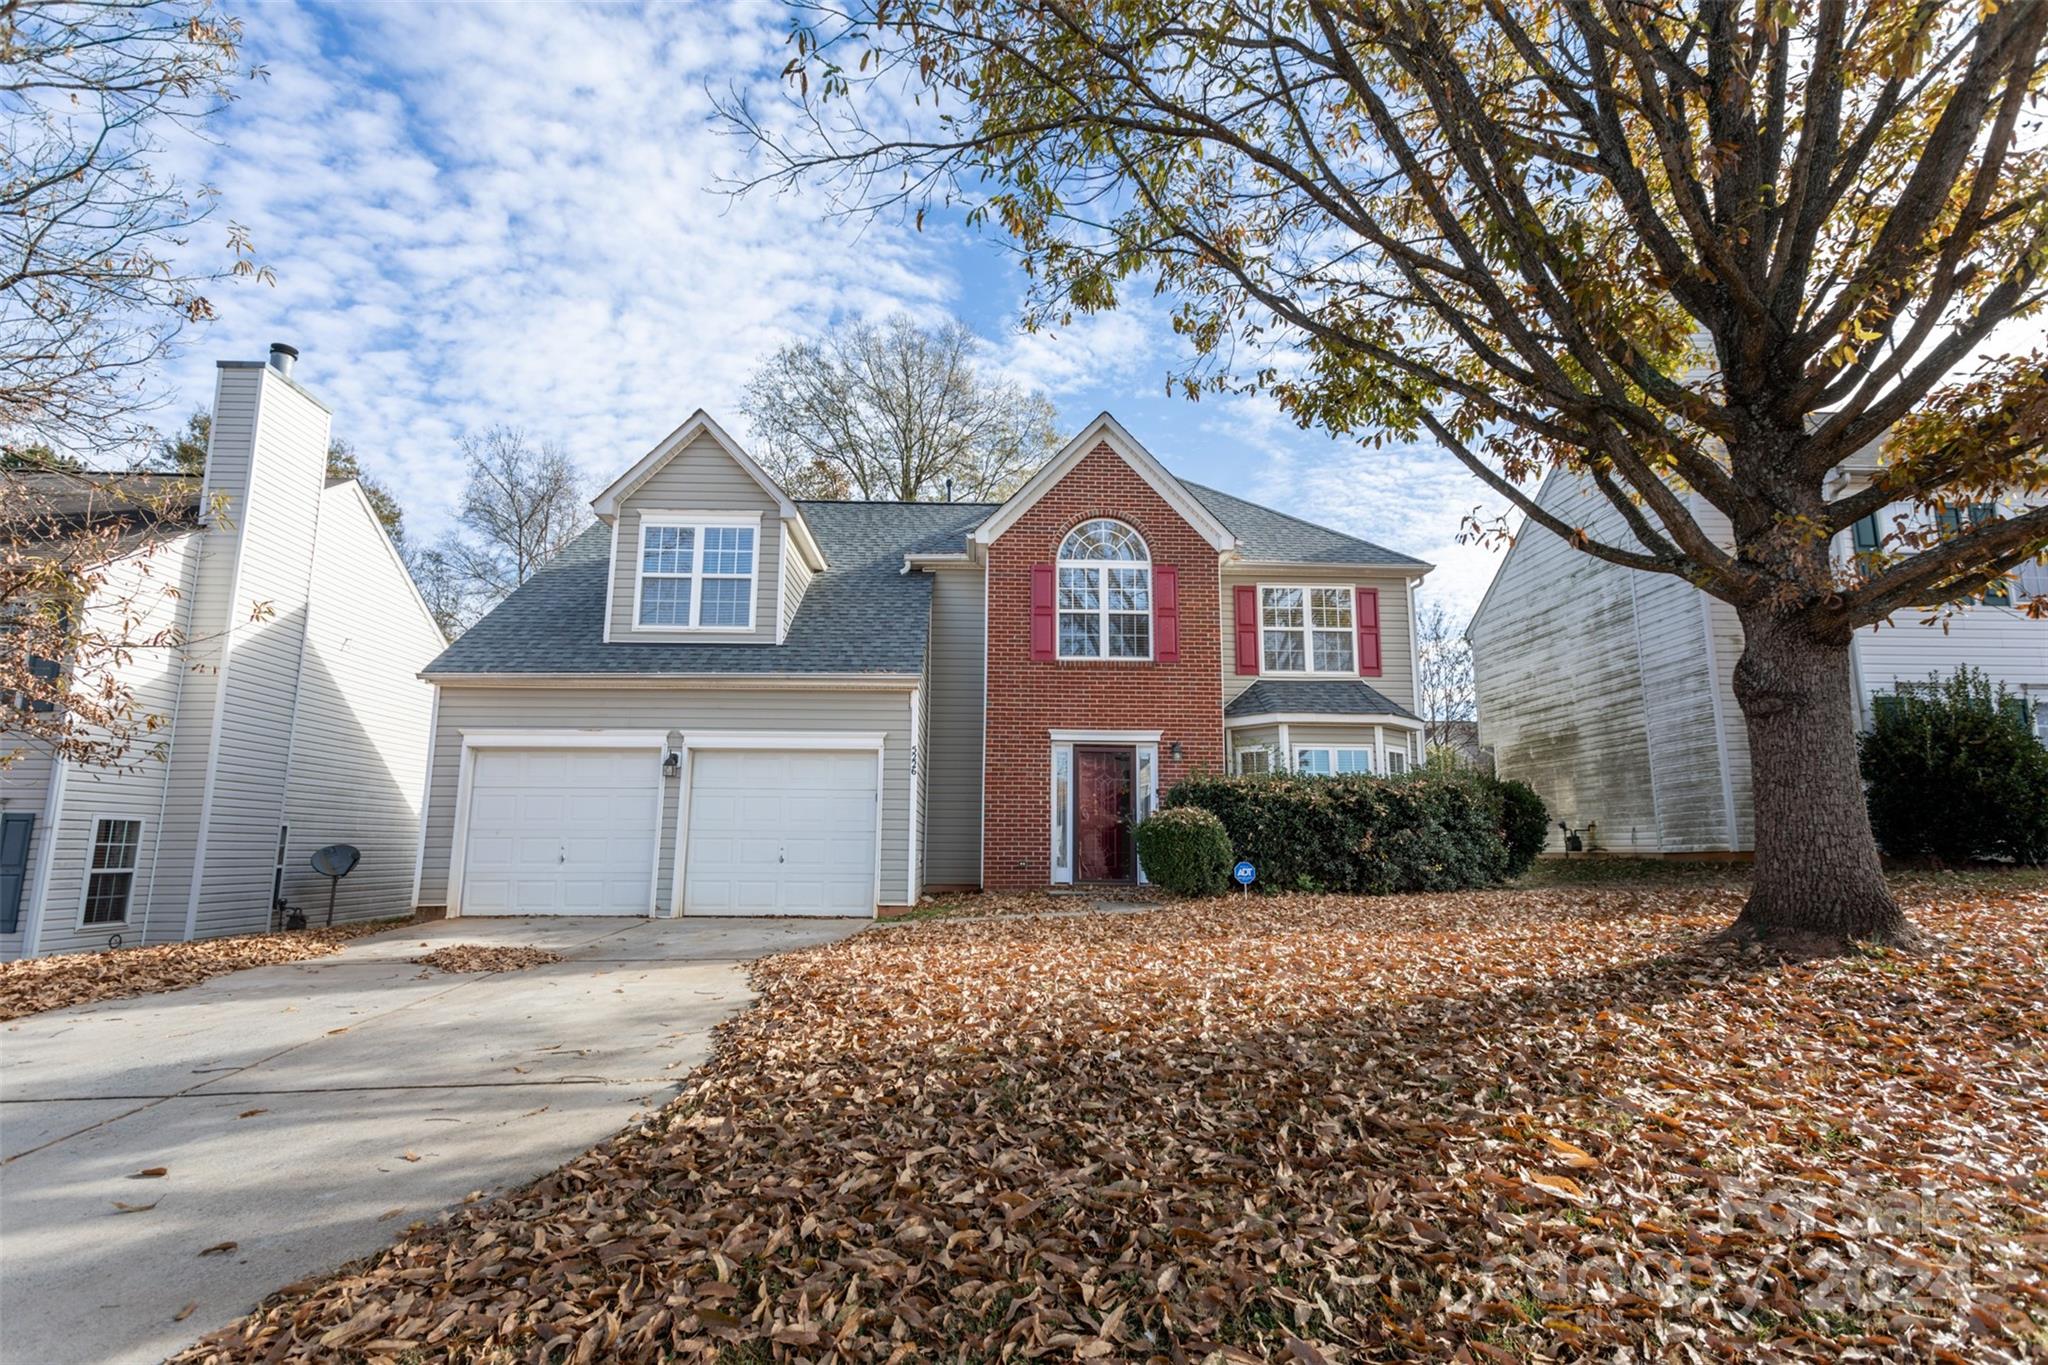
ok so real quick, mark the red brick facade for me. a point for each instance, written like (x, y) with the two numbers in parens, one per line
(1028, 698)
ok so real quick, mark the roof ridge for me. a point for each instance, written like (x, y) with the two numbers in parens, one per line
(888, 502)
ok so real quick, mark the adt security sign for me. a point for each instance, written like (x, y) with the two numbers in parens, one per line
(1245, 873)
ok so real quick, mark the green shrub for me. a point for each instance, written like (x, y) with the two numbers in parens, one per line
(1357, 834)
(1524, 823)
(1186, 851)
(1954, 772)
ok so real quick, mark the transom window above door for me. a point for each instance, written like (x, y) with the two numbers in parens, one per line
(1105, 593)
(1308, 630)
(696, 573)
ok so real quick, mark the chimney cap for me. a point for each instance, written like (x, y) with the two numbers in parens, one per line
(278, 346)
(281, 358)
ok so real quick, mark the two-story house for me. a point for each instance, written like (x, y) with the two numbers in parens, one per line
(279, 641)
(722, 700)
(1611, 692)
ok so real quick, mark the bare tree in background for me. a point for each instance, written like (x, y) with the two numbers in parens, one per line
(1448, 701)
(896, 411)
(523, 501)
(92, 295)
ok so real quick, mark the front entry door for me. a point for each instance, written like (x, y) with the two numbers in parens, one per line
(1103, 791)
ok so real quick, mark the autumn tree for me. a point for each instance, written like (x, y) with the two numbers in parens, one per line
(1697, 254)
(895, 411)
(185, 453)
(522, 501)
(95, 283)
(1443, 673)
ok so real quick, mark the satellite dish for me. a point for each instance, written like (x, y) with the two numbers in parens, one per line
(335, 862)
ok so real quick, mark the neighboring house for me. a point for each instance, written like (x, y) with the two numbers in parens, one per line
(720, 700)
(1611, 691)
(1460, 739)
(292, 712)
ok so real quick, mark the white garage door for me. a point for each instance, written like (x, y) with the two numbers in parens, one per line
(774, 833)
(560, 832)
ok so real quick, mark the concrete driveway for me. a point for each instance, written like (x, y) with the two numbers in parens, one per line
(308, 1113)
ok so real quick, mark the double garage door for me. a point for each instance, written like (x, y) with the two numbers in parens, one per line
(575, 832)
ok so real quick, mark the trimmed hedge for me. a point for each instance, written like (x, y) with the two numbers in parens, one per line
(1186, 851)
(1524, 823)
(1953, 771)
(1357, 834)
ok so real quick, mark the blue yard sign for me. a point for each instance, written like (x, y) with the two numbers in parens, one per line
(1245, 873)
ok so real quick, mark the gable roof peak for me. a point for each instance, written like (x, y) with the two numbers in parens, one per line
(701, 423)
(1106, 430)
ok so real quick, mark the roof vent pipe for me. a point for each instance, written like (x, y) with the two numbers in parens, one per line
(949, 488)
(281, 358)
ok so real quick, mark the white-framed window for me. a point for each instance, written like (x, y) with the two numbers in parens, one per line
(1104, 592)
(1254, 761)
(2037, 709)
(696, 571)
(110, 873)
(1318, 761)
(1397, 762)
(1307, 630)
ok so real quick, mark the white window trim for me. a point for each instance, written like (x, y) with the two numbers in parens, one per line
(1262, 750)
(92, 839)
(473, 740)
(696, 522)
(1102, 609)
(1307, 630)
(843, 741)
(1372, 757)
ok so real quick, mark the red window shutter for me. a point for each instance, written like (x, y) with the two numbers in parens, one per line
(1166, 614)
(1247, 598)
(1041, 612)
(1369, 632)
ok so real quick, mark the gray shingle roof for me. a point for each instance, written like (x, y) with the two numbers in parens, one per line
(862, 615)
(1312, 697)
(1271, 537)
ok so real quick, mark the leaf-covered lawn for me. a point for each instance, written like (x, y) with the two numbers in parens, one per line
(35, 984)
(1520, 1125)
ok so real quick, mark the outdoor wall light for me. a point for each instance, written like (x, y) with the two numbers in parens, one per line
(1173, 751)
(672, 765)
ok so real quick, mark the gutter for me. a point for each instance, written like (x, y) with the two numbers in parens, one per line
(801, 682)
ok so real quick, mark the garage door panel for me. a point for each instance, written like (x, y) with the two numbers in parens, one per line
(560, 832)
(775, 833)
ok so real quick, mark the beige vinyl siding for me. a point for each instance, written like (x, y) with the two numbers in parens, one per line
(1265, 737)
(153, 587)
(674, 712)
(700, 477)
(796, 577)
(359, 739)
(267, 625)
(953, 707)
(1396, 680)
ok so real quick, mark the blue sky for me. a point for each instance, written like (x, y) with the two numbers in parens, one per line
(482, 213)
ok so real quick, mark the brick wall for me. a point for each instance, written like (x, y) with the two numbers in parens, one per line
(1028, 698)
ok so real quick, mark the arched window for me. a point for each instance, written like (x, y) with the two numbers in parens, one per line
(1105, 593)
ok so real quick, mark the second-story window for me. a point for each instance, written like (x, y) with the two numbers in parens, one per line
(1105, 593)
(695, 575)
(1308, 630)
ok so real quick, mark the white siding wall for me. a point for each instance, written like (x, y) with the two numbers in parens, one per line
(953, 706)
(1999, 640)
(700, 477)
(1560, 683)
(154, 587)
(1396, 681)
(675, 711)
(796, 577)
(359, 737)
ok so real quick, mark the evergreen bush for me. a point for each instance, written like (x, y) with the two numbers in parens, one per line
(1953, 771)
(1186, 851)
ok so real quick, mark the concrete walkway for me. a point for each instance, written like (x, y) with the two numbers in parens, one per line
(308, 1113)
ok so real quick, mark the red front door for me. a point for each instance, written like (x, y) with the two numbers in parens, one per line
(1102, 814)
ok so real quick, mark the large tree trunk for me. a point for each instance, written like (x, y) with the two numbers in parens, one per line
(1817, 872)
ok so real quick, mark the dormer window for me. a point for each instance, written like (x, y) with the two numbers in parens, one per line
(696, 571)
(1105, 593)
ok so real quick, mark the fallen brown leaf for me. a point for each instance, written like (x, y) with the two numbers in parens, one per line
(218, 1248)
(150, 1173)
